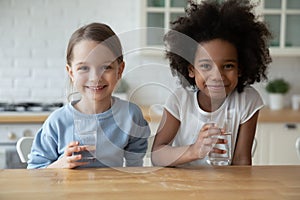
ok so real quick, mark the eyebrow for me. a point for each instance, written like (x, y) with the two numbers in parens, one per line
(210, 60)
(80, 63)
(86, 63)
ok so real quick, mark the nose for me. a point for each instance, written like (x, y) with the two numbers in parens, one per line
(96, 74)
(217, 74)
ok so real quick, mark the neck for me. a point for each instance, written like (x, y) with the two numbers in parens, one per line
(93, 107)
(207, 104)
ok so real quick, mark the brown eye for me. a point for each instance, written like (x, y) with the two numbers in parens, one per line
(229, 66)
(107, 67)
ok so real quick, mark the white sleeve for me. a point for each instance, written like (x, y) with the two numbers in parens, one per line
(172, 104)
(252, 103)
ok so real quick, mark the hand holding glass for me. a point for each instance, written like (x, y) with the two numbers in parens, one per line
(86, 134)
(224, 144)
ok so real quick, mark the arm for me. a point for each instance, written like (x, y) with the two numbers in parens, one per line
(135, 151)
(137, 145)
(44, 152)
(69, 160)
(164, 154)
(242, 154)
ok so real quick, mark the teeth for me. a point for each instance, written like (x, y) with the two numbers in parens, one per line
(96, 88)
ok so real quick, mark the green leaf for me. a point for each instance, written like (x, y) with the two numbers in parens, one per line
(278, 86)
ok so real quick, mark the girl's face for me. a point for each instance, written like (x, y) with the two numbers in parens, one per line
(215, 68)
(94, 71)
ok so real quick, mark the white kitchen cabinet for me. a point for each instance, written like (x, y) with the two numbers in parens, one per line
(153, 126)
(158, 14)
(282, 17)
(276, 144)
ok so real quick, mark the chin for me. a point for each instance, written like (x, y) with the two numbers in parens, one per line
(217, 95)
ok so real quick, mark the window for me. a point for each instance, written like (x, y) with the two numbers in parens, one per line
(159, 14)
(283, 18)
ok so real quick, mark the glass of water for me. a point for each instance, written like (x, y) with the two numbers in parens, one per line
(222, 158)
(85, 132)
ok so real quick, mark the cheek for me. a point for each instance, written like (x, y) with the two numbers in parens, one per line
(78, 78)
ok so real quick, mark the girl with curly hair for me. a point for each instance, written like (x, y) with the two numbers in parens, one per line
(217, 51)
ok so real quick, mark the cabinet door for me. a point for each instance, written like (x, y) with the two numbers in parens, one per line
(283, 145)
(157, 15)
(282, 17)
(276, 144)
(261, 153)
(153, 126)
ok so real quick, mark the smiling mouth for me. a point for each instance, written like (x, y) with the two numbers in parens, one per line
(96, 88)
(216, 87)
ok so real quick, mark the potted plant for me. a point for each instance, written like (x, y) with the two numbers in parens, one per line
(276, 89)
(121, 89)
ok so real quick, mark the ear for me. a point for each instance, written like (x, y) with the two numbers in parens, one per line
(121, 69)
(70, 72)
(191, 71)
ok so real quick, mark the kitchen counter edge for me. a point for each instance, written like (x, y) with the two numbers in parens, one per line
(266, 115)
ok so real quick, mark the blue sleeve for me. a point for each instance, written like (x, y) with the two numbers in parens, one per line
(138, 140)
(51, 140)
(44, 148)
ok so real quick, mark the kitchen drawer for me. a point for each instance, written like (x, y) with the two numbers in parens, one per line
(276, 144)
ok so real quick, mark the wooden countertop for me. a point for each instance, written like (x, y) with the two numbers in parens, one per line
(286, 115)
(13, 117)
(229, 182)
(266, 115)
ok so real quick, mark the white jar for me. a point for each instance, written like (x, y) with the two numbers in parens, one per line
(296, 101)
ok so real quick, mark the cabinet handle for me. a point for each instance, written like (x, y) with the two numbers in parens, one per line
(291, 126)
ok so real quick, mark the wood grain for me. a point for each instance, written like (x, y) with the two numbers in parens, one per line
(230, 182)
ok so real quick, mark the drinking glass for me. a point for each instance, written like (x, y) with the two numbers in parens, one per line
(222, 158)
(85, 131)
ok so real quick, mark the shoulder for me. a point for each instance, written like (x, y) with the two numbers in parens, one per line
(246, 103)
(248, 94)
(60, 112)
(250, 91)
(179, 101)
(183, 92)
(127, 108)
(60, 116)
(127, 111)
(120, 103)
(181, 95)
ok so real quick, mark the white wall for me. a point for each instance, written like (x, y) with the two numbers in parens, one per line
(287, 68)
(34, 35)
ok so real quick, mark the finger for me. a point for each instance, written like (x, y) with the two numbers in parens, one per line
(74, 161)
(210, 141)
(70, 150)
(74, 158)
(208, 132)
(219, 151)
(206, 149)
(76, 164)
(207, 126)
(73, 143)
(213, 131)
(222, 141)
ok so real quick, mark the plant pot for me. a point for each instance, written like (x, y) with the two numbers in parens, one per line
(276, 101)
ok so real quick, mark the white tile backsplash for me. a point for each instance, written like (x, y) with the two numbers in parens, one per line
(34, 36)
(287, 68)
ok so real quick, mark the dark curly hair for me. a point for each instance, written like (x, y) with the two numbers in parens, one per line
(232, 21)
